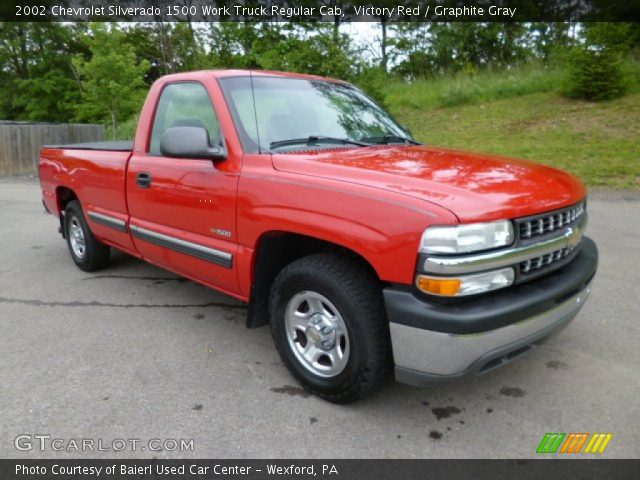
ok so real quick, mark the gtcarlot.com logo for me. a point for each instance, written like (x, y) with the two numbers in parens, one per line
(45, 442)
(574, 443)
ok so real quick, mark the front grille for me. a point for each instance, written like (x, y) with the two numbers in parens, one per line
(539, 263)
(541, 225)
(544, 243)
(540, 228)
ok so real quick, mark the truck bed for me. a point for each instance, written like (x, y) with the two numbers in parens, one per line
(114, 146)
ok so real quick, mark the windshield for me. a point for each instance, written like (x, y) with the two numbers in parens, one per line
(289, 113)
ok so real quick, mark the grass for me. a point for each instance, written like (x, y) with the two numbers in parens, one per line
(464, 89)
(522, 115)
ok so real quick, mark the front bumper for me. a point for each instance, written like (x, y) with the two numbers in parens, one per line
(435, 342)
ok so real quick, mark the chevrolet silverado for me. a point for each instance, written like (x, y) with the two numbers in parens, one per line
(359, 246)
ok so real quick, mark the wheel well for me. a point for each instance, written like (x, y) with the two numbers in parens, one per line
(275, 251)
(63, 196)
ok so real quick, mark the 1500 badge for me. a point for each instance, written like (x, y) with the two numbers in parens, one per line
(221, 232)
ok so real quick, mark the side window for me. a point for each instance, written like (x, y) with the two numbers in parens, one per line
(184, 105)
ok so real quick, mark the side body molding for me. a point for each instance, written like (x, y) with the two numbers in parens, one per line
(213, 255)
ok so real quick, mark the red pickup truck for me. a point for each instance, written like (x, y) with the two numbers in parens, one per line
(357, 245)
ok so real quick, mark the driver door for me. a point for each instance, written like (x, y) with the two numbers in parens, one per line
(182, 211)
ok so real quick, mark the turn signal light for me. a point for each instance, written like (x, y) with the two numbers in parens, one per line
(466, 284)
(439, 286)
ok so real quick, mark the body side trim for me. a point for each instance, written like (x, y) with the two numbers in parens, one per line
(212, 255)
(108, 221)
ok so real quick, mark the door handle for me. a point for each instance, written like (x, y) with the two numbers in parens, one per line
(143, 179)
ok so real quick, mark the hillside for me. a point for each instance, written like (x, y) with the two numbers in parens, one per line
(600, 142)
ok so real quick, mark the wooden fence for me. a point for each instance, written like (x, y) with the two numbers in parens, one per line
(20, 142)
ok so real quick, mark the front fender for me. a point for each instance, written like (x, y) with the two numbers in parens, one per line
(383, 227)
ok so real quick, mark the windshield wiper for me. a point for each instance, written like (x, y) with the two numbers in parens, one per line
(315, 140)
(387, 139)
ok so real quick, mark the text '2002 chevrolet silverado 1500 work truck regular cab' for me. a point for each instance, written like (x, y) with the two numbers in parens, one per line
(355, 243)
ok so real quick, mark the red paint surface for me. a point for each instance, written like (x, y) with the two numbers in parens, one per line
(375, 201)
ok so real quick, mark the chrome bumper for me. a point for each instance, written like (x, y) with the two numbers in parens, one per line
(424, 357)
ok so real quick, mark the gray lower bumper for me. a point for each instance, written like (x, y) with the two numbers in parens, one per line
(425, 357)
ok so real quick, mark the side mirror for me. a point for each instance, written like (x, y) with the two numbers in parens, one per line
(190, 142)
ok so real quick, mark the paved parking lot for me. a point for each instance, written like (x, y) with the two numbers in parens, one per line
(133, 352)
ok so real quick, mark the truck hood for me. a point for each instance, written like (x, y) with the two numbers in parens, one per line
(475, 187)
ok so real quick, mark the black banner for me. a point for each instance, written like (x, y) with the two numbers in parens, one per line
(319, 469)
(322, 10)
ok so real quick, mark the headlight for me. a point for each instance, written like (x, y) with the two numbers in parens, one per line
(466, 238)
(465, 284)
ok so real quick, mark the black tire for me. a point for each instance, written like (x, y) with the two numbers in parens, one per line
(95, 254)
(356, 293)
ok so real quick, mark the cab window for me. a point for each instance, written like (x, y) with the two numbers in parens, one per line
(185, 104)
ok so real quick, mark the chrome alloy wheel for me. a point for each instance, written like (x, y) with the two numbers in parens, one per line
(317, 334)
(76, 237)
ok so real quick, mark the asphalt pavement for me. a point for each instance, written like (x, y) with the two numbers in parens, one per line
(135, 353)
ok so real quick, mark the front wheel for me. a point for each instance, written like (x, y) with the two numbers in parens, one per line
(328, 323)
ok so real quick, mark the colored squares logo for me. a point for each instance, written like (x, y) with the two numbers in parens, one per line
(598, 443)
(574, 443)
(550, 442)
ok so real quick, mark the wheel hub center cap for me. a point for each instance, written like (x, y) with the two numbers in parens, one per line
(321, 332)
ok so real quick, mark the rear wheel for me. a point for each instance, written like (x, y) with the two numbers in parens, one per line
(328, 323)
(86, 251)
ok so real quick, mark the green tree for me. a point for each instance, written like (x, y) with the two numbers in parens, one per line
(410, 53)
(549, 38)
(168, 47)
(316, 52)
(38, 80)
(112, 79)
(436, 48)
(231, 44)
(594, 73)
(595, 68)
(621, 37)
(384, 42)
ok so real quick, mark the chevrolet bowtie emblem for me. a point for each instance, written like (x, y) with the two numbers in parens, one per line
(573, 236)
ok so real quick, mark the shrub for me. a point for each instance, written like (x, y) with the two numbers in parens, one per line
(594, 74)
(373, 81)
